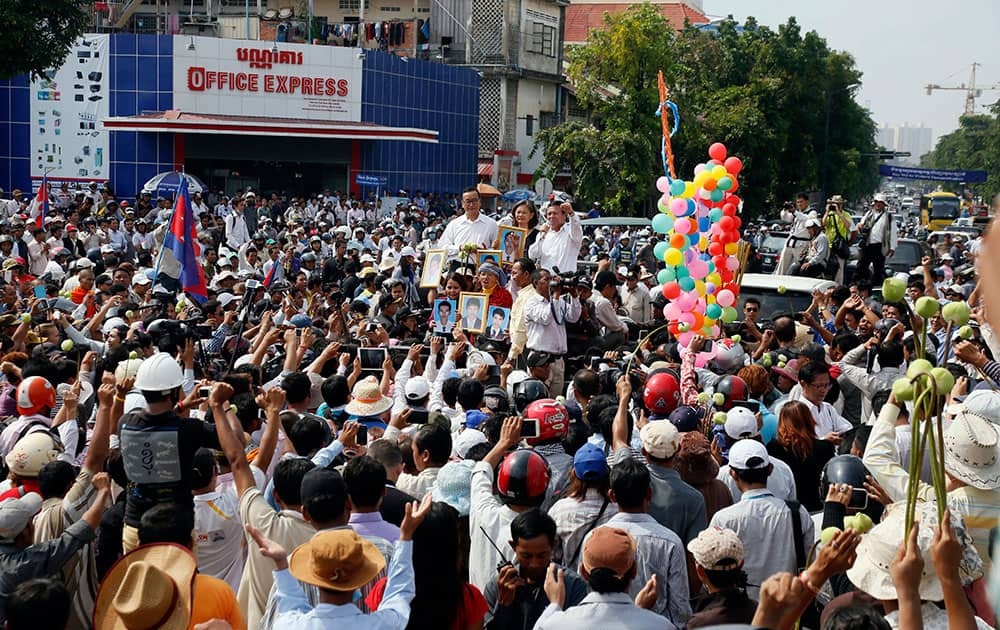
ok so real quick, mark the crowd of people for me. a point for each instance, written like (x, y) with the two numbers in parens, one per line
(445, 416)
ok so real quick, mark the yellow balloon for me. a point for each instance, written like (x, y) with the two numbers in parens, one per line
(689, 190)
(699, 286)
(732, 248)
(700, 178)
(709, 299)
(714, 278)
(673, 257)
(703, 243)
(718, 172)
(709, 322)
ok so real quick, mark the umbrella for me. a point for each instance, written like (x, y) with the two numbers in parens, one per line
(519, 195)
(485, 190)
(166, 184)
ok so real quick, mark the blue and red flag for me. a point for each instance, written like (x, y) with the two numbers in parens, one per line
(40, 204)
(182, 242)
(277, 271)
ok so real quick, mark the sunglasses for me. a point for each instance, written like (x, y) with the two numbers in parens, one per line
(751, 309)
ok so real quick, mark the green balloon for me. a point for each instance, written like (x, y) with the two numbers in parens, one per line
(729, 314)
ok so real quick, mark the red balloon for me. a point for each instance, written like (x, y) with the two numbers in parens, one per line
(716, 249)
(726, 223)
(733, 199)
(729, 209)
(732, 236)
(727, 276)
(735, 186)
(713, 163)
(717, 151)
(734, 165)
(671, 290)
(737, 222)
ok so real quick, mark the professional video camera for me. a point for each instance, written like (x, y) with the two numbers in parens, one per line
(180, 331)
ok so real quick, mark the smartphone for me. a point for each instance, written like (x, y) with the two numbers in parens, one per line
(752, 405)
(709, 345)
(418, 416)
(372, 358)
(39, 291)
(362, 438)
(203, 392)
(643, 333)
(859, 499)
(529, 428)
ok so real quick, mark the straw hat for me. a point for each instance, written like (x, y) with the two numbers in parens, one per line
(151, 587)
(337, 560)
(367, 399)
(871, 572)
(972, 450)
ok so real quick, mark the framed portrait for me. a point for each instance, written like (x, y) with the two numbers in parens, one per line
(497, 323)
(472, 307)
(445, 311)
(430, 274)
(512, 243)
(487, 256)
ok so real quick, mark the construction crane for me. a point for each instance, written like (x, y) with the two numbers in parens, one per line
(971, 91)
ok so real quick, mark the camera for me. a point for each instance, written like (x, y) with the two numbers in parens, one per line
(180, 331)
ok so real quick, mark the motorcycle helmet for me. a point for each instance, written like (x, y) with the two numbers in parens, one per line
(661, 394)
(528, 391)
(842, 469)
(729, 356)
(552, 420)
(34, 395)
(733, 388)
(523, 478)
(496, 399)
(685, 418)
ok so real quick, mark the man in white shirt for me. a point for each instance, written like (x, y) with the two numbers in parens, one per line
(814, 377)
(761, 520)
(198, 205)
(558, 243)
(545, 317)
(38, 252)
(615, 331)
(636, 299)
(356, 214)
(880, 239)
(237, 232)
(472, 227)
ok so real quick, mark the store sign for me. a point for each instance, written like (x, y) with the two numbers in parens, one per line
(248, 78)
(67, 105)
(371, 180)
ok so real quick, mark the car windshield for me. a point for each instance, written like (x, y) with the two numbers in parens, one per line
(773, 303)
(774, 243)
(909, 253)
(944, 209)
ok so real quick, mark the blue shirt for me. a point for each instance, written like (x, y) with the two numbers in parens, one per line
(295, 613)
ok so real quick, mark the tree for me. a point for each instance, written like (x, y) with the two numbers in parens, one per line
(975, 145)
(763, 93)
(37, 34)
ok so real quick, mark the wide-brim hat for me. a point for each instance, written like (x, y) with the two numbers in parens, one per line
(972, 449)
(367, 399)
(337, 560)
(150, 587)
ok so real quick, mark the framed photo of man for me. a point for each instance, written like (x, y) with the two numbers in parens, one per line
(430, 275)
(512, 243)
(497, 323)
(472, 308)
(445, 312)
(487, 256)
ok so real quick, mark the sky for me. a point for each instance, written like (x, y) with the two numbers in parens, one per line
(900, 46)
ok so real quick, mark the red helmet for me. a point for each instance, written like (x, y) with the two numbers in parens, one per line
(553, 421)
(34, 395)
(733, 388)
(523, 478)
(661, 394)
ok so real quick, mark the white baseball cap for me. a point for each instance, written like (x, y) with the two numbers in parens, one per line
(748, 455)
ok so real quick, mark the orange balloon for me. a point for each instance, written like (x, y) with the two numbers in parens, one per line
(709, 184)
(699, 320)
(679, 241)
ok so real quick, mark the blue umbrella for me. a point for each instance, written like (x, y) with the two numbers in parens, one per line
(166, 184)
(518, 195)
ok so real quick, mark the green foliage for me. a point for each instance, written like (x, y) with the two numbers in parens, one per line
(37, 34)
(975, 145)
(763, 93)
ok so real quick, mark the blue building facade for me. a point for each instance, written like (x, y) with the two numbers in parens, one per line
(437, 100)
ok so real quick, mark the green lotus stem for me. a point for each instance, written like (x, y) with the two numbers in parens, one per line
(628, 367)
(947, 342)
(943, 491)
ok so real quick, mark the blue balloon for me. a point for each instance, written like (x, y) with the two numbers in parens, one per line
(715, 214)
(682, 272)
(660, 249)
(704, 224)
(664, 276)
(691, 206)
(677, 188)
(662, 224)
(686, 283)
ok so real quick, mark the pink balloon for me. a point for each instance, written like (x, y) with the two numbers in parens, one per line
(663, 184)
(665, 199)
(686, 302)
(679, 207)
(699, 168)
(725, 298)
(700, 306)
(698, 268)
(732, 264)
(687, 318)
(682, 225)
(671, 311)
(715, 330)
(685, 338)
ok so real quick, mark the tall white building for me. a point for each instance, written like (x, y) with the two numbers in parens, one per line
(918, 140)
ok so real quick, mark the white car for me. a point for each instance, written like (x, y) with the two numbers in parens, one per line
(779, 294)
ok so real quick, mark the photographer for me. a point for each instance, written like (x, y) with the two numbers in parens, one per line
(545, 316)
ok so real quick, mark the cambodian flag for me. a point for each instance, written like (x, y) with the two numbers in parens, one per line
(40, 204)
(277, 271)
(181, 241)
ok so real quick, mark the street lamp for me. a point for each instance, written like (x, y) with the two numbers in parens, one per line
(825, 162)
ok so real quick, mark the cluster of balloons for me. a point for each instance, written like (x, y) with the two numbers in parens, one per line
(700, 222)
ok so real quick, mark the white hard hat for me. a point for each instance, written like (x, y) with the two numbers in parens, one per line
(515, 377)
(129, 368)
(159, 373)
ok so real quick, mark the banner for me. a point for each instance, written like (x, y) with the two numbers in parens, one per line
(906, 172)
(371, 180)
(67, 105)
(239, 77)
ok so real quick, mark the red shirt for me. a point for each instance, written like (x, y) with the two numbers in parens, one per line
(501, 297)
(27, 485)
(472, 610)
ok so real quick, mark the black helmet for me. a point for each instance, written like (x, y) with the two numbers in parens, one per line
(843, 469)
(496, 399)
(95, 256)
(686, 418)
(528, 391)
(523, 478)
